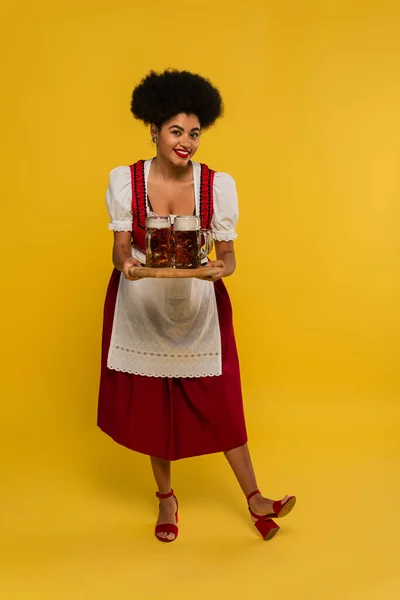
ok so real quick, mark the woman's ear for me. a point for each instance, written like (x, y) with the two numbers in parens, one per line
(153, 131)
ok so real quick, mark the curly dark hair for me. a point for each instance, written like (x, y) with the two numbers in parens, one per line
(160, 96)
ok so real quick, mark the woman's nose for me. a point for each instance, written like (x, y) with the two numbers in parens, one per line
(185, 142)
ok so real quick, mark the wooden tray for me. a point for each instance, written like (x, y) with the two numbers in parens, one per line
(169, 273)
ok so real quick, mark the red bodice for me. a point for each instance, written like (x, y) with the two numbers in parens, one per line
(139, 204)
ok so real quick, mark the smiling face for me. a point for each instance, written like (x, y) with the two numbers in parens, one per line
(178, 139)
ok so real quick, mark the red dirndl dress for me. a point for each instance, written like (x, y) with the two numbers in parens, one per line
(172, 418)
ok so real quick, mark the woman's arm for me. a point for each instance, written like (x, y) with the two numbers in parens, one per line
(226, 261)
(226, 252)
(122, 253)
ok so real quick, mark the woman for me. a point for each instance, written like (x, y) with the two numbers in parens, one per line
(170, 383)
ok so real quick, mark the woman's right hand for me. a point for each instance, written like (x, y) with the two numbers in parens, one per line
(130, 262)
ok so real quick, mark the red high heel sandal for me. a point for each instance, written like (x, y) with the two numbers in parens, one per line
(264, 523)
(266, 527)
(167, 527)
(281, 507)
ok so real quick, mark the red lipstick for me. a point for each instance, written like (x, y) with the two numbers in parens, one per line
(181, 153)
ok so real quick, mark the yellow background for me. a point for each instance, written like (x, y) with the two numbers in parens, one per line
(311, 135)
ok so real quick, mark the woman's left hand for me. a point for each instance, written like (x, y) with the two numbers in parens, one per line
(215, 264)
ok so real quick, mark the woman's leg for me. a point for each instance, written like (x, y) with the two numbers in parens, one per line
(240, 461)
(162, 475)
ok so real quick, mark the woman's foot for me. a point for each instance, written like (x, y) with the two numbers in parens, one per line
(265, 506)
(168, 508)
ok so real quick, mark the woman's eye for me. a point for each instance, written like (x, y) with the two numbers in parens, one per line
(195, 135)
(176, 132)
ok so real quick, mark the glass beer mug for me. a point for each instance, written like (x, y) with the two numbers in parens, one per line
(187, 236)
(158, 242)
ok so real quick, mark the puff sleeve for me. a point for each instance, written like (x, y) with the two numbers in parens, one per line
(226, 211)
(119, 199)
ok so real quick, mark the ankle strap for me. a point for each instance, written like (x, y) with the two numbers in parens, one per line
(164, 496)
(253, 494)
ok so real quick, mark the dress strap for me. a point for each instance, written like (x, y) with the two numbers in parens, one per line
(138, 194)
(206, 196)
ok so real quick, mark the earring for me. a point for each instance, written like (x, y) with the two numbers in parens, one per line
(154, 139)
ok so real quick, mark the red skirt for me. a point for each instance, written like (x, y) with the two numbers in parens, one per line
(173, 418)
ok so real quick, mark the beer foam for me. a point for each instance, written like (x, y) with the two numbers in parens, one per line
(186, 223)
(158, 222)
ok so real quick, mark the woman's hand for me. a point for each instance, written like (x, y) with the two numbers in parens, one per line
(128, 263)
(215, 264)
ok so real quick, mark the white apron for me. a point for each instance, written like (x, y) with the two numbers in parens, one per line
(166, 327)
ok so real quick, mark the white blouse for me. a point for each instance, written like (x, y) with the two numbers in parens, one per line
(226, 212)
(168, 327)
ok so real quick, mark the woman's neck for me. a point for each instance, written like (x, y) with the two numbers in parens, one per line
(167, 171)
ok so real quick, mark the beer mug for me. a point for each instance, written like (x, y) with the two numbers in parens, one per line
(158, 242)
(187, 237)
